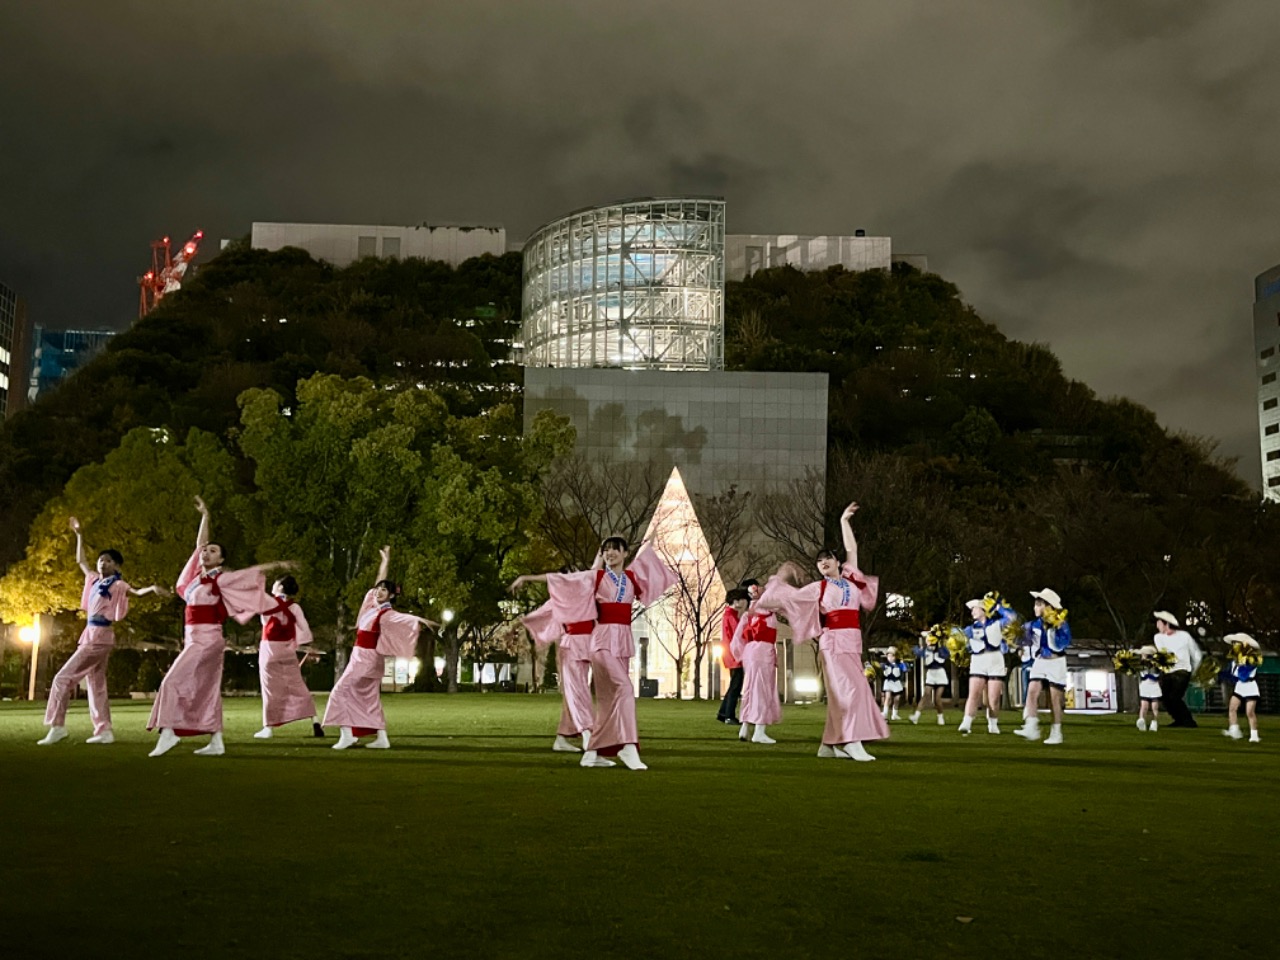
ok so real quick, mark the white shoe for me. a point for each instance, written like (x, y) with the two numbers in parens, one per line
(884, 712)
(1142, 725)
(894, 716)
(586, 739)
(854, 751)
(742, 732)
(1254, 738)
(993, 726)
(380, 742)
(760, 736)
(213, 749)
(630, 757)
(592, 759)
(106, 736)
(266, 733)
(915, 717)
(346, 739)
(941, 721)
(1233, 732)
(168, 740)
(826, 751)
(965, 725)
(1030, 729)
(1055, 734)
(562, 745)
(1154, 727)
(53, 736)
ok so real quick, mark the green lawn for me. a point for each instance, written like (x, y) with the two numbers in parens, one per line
(471, 838)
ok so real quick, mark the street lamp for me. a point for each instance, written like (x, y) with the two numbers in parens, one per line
(31, 635)
(447, 616)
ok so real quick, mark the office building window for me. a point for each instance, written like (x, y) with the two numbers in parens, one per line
(1269, 352)
(1272, 430)
(1274, 482)
(1270, 404)
(368, 247)
(1269, 378)
(391, 247)
(1273, 455)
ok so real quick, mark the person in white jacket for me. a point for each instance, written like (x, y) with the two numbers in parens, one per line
(1173, 685)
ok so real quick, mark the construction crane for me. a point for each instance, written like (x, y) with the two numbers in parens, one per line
(167, 271)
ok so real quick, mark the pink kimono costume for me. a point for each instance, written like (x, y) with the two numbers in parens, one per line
(573, 662)
(105, 601)
(755, 644)
(608, 598)
(190, 698)
(356, 700)
(285, 697)
(829, 610)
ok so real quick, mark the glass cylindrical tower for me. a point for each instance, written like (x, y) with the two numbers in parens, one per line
(637, 285)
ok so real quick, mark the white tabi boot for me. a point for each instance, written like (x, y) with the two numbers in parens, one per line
(826, 751)
(380, 742)
(214, 748)
(942, 722)
(1030, 729)
(630, 757)
(345, 739)
(592, 759)
(586, 739)
(562, 745)
(1253, 737)
(966, 724)
(106, 736)
(1055, 734)
(742, 732)
(760, 736)
(854, 751)
(1233, 732)
(1155, 725)
(894, 716)
(915, 717)
(1142, 725)
(53, 736)
(168, 740)
(266, 733)
(993, 725)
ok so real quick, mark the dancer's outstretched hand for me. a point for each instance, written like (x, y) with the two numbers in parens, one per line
(849, 511)
(75, 524)
(201, 507)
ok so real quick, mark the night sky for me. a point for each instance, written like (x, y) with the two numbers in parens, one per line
(1098, 176)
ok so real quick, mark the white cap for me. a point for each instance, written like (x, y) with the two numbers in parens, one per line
(1148, 651)
(1244, 638)
(1167, 617)
(1048, 596)
(975, 603)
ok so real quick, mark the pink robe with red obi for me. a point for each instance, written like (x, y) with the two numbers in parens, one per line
(755, 644)
(600, 595)
(573, 663)
(190, 699)
(852, 714)
(109, 602)
(356, 700)
(285, 697)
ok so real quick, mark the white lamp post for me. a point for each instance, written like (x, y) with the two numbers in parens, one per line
(31, 635)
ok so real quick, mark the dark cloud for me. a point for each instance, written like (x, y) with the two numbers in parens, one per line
(1094, 175)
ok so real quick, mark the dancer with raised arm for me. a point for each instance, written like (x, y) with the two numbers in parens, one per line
(573, 661)
(285, 697)
(987, 671)
(829, 609)
(189, 703)
(105, 600)
(755, 644)
(607, 595)
(355, 704)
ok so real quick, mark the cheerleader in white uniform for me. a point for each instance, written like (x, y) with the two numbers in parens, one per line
(933, 654)
(895, 675)
(987, 671)
(1148, 690)
(1245, 658)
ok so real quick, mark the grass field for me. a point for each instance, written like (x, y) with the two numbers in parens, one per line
(471, 838)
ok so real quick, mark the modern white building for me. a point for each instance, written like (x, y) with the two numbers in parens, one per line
(343, 244)
(1266, 355)
(745, 253)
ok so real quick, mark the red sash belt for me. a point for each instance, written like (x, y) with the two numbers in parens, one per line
(199, 613)
(613, 613)
(581, 627)
(842, 620)
(367, 639)
(280, 631)
(764, 635)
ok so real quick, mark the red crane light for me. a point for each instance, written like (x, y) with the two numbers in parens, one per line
(167, 271)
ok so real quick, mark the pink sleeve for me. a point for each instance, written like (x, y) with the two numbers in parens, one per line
(573, 595)
(244, 593)
(399, 635)
(798, 604)
(543, 625)
(868, 586)
(301, 628)
(119, 601)
(89, 580)
(654, 577)
(189, 573)
(366, 604)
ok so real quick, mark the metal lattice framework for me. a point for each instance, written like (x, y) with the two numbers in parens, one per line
(638, 285)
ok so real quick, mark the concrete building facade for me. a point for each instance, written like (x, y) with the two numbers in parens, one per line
(745, 253)
(1266, 357)
(344, 244)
